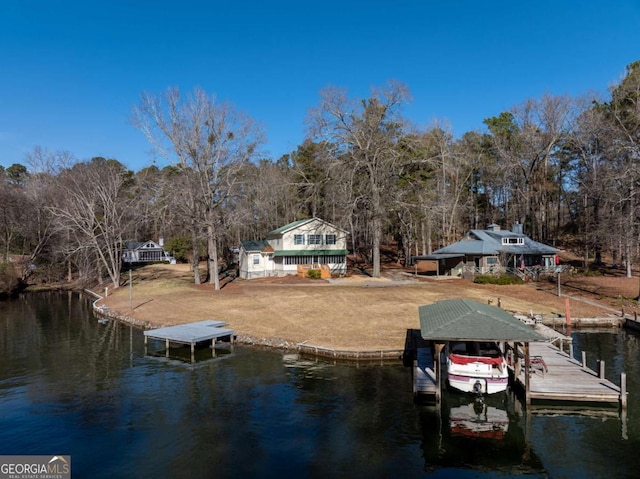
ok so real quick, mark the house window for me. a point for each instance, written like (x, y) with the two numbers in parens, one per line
(330, 239)
(298, 239)
(512, 241)
(315, 239)
(256, 259)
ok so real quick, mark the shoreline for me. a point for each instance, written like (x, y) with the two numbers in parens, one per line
(271, 343)
(319, 351)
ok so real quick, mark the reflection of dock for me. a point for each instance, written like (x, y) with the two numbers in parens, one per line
(191, 334)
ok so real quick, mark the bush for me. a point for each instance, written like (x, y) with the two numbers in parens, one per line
(502, 279)
(314, 274)
(178, 246)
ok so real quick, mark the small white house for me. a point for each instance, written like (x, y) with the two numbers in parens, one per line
(309, 243)
(145, 252)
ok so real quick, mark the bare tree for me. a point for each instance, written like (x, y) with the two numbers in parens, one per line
(363, 138)
(208, 140)
(92, 210)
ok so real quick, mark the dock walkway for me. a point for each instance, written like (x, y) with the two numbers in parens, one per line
(565, 379)
(424, 378)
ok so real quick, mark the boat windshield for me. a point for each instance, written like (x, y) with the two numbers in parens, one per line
(487, 349)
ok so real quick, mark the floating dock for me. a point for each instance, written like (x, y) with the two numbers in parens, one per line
(190, 333)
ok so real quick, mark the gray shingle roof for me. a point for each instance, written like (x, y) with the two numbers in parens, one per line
(486, 242)
(465, 319)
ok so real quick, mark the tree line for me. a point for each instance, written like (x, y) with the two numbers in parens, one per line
(566, 168)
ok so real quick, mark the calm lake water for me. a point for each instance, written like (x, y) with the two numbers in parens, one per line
(72, 385)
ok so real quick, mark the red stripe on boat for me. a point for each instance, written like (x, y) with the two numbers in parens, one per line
(458, 359)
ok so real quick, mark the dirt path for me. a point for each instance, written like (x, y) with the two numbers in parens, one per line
(357, 313)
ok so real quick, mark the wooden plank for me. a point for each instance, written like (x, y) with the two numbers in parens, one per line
(566, 379)
(424, 376)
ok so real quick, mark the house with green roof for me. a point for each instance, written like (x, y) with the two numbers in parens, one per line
(492, 250)
(310, 243)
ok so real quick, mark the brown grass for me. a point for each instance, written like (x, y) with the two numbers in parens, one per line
(360, 313)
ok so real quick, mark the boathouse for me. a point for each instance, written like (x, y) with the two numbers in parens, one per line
(468, 320)
(540, 369)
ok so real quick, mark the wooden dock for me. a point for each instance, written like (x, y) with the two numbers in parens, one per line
(556, 377)
(424, 378)
(559, 377)
(190, 333)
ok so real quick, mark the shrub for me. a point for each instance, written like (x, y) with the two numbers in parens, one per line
(314, 274)
(502, 279)
(178, 246)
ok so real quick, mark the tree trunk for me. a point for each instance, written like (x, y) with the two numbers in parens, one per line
(196, 258)
(212, 246)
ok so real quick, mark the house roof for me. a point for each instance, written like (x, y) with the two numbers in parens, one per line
(489, 242)
(133, 245)
(259, 245)
(296, 224)
(468, 320)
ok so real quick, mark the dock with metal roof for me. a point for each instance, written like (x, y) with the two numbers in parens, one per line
(191, 334)
(544, 371)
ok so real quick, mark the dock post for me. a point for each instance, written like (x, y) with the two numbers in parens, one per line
(193, 347)
(438, 371)
(623, 390)
(527, 372)
(414, 379)
(601, 371)
(584, 359)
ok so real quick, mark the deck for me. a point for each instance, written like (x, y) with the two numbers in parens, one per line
(190, 333)
(565, 379)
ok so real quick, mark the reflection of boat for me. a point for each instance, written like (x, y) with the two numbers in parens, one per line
(476, 367)
(479, 420)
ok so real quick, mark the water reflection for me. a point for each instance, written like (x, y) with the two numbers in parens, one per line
(478, 419)
(484, 433)
(71, 384)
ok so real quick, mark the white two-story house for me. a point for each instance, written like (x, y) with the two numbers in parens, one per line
(305, 244)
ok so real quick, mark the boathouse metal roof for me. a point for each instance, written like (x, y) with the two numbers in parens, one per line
(468, 320)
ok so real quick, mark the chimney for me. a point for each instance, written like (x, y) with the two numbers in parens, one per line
(161, 242)
(517, 228)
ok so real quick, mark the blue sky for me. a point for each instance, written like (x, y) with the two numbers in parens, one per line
(70, 71)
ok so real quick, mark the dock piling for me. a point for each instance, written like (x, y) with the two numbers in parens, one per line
(584, 359)
(601, 372)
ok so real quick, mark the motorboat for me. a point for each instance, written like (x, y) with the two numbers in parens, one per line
(476, 367)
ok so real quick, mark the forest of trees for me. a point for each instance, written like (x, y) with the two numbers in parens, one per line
(567, 168)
